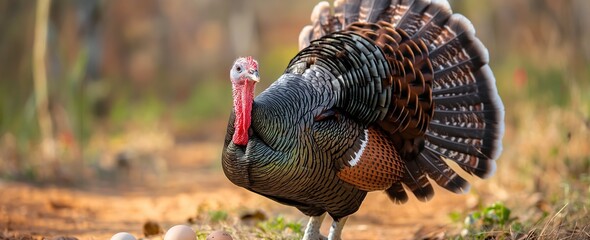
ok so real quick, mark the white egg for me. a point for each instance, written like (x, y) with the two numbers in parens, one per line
(180, 232)
(123, 236)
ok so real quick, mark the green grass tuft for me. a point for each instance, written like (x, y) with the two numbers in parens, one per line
(281, 227)
(217, 216)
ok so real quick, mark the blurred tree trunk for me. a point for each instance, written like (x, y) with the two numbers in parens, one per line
(40, 80)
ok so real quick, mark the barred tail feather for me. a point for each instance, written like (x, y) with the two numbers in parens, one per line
(415, 179)
(351, 12)
(468, 121)
(320, 25)
(397, 193)
(439, 171)
(371, 10)
(412, 19)
(323, 21)
(469, 129)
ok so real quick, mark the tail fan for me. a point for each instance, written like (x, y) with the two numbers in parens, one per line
(467, 123)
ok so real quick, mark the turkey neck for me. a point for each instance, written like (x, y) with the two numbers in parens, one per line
(243, 94)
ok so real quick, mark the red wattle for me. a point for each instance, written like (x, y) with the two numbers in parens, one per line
(243, 98)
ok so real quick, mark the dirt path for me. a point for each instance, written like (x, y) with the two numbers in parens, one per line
(194, 180)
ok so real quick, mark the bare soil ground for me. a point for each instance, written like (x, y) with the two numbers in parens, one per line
(194, 181)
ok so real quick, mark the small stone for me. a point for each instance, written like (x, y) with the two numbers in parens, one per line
(151, 228)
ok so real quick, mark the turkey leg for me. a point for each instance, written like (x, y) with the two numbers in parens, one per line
(312, 232)
(336, 229)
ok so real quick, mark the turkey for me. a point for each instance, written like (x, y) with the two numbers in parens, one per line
(381, 95)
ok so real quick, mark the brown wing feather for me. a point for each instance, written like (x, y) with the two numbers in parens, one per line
(379, 165)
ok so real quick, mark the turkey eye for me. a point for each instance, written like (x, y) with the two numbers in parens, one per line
(239, 69)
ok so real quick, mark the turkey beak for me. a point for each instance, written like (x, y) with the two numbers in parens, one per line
(253, 75)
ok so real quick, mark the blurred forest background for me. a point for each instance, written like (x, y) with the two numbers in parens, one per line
(140, 77)
(129, 74)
